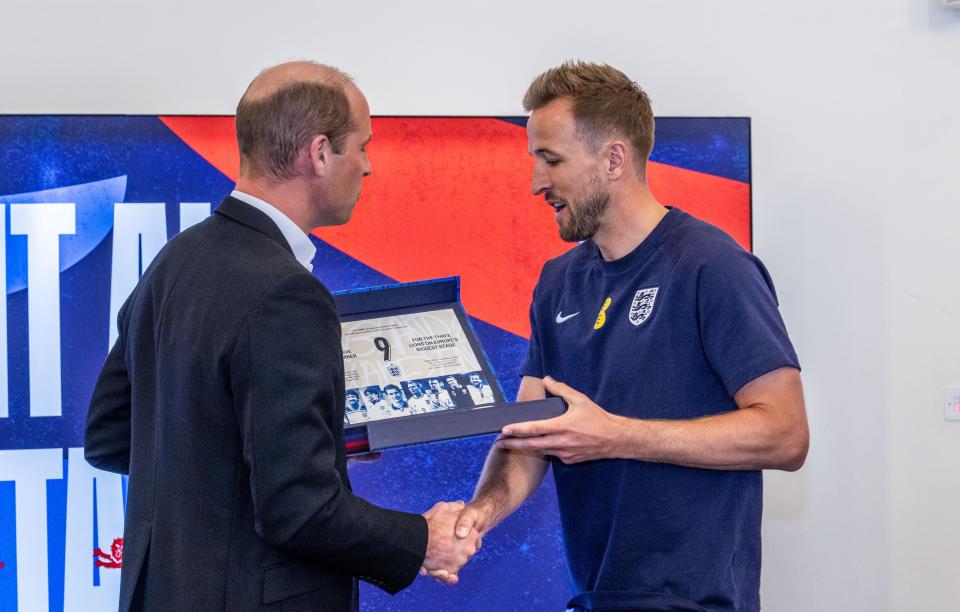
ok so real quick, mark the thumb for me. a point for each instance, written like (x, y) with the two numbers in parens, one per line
(466, 522)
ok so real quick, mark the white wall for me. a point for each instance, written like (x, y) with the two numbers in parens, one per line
(856, 163)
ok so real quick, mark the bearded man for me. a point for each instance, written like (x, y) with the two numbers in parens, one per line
(681, 382)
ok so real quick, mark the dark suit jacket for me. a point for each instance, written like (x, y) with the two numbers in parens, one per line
(223, 400)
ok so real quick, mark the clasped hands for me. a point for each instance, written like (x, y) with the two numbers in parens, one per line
(460, 529)
(585, 432)
(447, 550)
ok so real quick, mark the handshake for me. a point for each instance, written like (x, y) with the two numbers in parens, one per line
(455, 531)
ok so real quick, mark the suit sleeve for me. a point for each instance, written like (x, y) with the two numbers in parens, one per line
(286, 375)
(106, 435)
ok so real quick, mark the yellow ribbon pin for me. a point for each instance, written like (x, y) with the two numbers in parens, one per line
(602, 317)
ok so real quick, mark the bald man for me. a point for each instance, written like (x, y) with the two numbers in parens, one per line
(223, 397)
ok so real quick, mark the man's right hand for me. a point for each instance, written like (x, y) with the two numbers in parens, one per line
(473, 517)
(472, 522)
(447, 553)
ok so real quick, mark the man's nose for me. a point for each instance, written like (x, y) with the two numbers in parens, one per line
(538, 182)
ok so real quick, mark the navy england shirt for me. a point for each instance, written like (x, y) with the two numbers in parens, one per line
(670, 331)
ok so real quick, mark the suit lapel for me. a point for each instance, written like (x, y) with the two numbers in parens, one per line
(242, 212)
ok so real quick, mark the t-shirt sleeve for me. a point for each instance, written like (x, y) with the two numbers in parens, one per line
(743, 334)
(533, 364)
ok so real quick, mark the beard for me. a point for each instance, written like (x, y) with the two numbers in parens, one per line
(586, 214)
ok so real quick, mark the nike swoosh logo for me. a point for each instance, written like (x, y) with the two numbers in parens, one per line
(561, 318)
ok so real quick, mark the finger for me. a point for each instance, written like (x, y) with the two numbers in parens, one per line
(555, 387)
(538, 443)
(452, 507)
(429, 513)
(533, 428)
(442, 506)
(423, 571)
(439, 575)
(444, 576)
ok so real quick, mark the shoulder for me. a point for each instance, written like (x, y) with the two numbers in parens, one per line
(697, 247)
(697, 241)
(714, 267)
(577, 256)
(295, 314)
(555, 270)
(253, 260)
(296, 286)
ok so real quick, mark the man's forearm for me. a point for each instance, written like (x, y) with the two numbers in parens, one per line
(745, 439)
(508, 479)
(767, 431)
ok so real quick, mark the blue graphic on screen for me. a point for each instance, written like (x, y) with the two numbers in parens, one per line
(94, 220)
(713, 145)
(96, 162)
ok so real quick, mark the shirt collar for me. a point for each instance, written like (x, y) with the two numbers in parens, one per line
(301, 245)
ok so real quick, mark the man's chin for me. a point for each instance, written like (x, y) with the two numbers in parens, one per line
(570, 236)
(340, 219)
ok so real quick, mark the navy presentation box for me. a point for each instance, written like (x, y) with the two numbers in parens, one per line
(415, 372)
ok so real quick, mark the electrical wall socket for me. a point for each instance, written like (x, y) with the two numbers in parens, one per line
(951, 403)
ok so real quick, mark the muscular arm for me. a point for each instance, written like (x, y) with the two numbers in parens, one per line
(507, 480)
(509, 476)
(767, 431)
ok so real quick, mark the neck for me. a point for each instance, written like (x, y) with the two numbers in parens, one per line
(289, 197)
(629, 219)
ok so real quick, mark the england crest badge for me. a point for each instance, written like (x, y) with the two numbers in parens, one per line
(643, 305)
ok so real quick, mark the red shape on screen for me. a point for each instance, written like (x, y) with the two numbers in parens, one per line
(451, 196)
(114, 560)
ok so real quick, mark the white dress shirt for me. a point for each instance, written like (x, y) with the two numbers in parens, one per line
(303, 249)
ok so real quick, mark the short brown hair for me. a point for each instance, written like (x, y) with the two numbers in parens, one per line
(605, 103)
(271, 129)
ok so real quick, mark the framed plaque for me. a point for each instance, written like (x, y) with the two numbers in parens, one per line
(415, 372)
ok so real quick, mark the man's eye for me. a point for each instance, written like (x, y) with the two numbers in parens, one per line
(552, 162)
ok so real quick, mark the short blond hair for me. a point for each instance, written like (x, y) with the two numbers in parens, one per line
(606, 103)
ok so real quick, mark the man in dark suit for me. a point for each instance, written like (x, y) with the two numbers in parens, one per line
(223, 397)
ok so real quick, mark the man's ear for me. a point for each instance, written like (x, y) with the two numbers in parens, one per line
(319, 154)
(617, 159)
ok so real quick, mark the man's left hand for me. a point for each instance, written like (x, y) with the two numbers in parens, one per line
(583, 433)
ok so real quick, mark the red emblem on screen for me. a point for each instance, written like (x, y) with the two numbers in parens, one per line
(114, 559)
(1, 564)
(497, 234)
